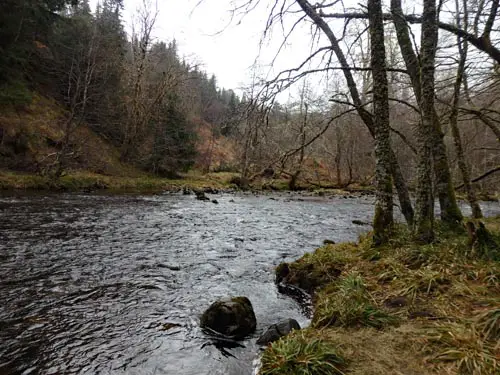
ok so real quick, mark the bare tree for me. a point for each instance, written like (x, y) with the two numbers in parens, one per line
(78, 72)
(314, 14)
(482, 41)
(143, 98)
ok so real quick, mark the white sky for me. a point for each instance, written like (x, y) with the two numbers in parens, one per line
(228, 54)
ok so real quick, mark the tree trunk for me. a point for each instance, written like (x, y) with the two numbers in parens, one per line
(338, 157)
(424, 218)
(450, 212)
(383, 218)
(295, 176)
(402, 191)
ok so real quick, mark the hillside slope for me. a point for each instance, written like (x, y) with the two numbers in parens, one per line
(31, 137)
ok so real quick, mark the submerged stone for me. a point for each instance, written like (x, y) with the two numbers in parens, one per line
(169, 326)
(233, 317)
(359, 222)
(278, 330)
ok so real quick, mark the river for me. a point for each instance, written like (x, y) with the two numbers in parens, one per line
(97, 284)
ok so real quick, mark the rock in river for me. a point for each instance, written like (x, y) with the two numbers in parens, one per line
(359, 222)
(200, 195)
(278, 330)
(232, 317)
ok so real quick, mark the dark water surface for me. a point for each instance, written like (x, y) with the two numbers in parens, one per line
(87, 282)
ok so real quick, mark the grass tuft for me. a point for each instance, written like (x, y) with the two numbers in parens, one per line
(424, 281)
(347, 303)
(462, 349)
(489, 325)
(298, 354)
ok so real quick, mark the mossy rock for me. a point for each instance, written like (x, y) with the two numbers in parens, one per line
(233, 317)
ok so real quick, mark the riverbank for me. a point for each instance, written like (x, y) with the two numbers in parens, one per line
(144, 183)
(401, 309)
(85, 181)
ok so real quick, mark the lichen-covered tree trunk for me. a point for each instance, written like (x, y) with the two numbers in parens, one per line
(424, 215)
(402, 191)
(383, 218)
(450, 212)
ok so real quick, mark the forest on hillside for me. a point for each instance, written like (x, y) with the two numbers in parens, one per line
(134, 90)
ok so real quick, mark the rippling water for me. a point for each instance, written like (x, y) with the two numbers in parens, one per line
(87, 282)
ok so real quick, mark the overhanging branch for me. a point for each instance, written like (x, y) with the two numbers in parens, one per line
(479, 178)
(482, 43)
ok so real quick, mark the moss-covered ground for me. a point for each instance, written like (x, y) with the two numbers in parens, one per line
(399, 309)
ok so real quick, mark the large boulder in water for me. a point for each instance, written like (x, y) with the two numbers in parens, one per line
(232, 317)
(278, 330)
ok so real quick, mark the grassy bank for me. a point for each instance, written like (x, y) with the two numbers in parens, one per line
(85, 181)
(136, 181)
(401, 309)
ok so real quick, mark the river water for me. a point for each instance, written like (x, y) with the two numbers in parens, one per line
(95, 284)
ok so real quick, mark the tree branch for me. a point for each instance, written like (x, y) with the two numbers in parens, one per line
(482, 43)
(481, 177)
